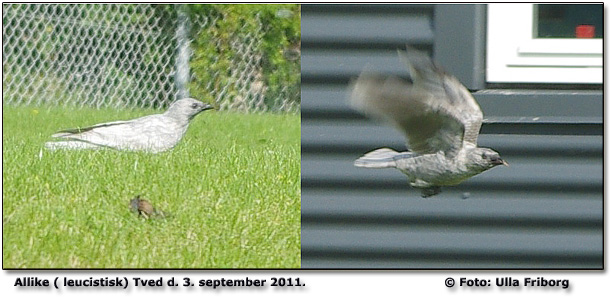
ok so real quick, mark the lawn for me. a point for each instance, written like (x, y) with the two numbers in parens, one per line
(231, 188)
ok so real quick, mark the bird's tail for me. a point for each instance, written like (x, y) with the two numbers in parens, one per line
(379, 158)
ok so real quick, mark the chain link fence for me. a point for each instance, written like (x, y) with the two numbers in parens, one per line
(127, 56)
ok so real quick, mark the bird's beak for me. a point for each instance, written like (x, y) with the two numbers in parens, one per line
(499, 161)
(208, 107)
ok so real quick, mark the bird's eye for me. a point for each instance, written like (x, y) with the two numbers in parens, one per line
(484, 156)
(194, 106)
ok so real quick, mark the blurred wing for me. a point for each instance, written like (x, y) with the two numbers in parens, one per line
(435, 112)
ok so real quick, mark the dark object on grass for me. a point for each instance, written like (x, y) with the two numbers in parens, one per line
(145, 209)
(439, 117)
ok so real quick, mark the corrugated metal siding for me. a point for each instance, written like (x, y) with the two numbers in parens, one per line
(544, 211)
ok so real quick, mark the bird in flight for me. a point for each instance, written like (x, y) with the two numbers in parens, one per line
(439, 118)
(153, 133)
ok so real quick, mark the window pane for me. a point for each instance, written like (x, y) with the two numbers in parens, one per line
(569, 21)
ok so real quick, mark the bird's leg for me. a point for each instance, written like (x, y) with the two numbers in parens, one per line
(430, 191)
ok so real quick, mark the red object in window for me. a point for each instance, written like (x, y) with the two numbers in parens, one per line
(585, 31)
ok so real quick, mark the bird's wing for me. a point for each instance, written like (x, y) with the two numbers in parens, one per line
(435, 112)
(71, 132)
(138, 134)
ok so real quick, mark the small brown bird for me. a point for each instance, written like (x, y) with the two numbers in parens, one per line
(145, 208)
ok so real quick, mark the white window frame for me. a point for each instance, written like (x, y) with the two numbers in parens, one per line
(515, 56)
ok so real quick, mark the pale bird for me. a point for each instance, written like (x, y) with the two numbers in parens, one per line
(153, 133)
(439, 118)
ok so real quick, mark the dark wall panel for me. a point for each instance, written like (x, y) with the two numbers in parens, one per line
(544, 211)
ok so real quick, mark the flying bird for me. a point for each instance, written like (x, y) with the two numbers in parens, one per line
(153, 133)
(439, 118)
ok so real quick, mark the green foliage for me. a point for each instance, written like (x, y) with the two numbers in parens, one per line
(231, 187)
(278, 27)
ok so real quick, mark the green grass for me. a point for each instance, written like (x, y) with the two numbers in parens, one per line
(232, 187)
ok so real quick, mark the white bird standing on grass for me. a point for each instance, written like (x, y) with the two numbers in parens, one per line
(153, 133)
(439, 117)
